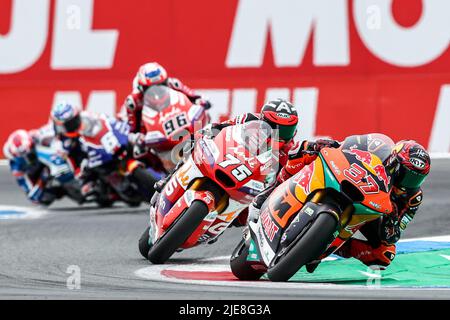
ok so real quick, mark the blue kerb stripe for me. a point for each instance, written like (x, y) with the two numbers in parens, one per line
(419, 246)
(8, 212)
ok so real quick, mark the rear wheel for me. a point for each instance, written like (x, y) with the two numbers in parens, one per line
(242, 268)
(144, 246)
(145, 181)
(178, 233)
(311, 245)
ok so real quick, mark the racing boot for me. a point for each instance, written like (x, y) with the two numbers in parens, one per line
(374, 257)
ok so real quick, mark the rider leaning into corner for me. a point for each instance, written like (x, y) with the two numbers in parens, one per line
(78, 130)
(30, 174)
(280, 114)
(409, 163)
(151, 74)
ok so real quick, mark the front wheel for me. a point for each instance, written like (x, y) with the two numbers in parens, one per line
(178, 232)
(144, 246)
(309, 247)
(240, 267)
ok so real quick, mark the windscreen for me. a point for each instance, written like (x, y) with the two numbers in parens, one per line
(157, 97)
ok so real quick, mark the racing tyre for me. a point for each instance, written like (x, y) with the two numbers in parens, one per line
(308, 247)
(144, 246)
(178, 232)
(242, 268)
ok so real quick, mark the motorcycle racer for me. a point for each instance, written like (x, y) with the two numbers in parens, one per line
(78, 130)
(103, 143)
(30, 174)
(409, 162)
(150, 74)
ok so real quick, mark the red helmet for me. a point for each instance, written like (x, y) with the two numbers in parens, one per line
(150, 74)
(412, 163)
(281, 115)
(19, 144)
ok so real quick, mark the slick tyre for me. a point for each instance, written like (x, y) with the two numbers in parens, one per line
(144, 247)
(178, 233)
(240, 267)
(308, 247)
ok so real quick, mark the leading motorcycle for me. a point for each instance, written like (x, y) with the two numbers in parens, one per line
(312, 214)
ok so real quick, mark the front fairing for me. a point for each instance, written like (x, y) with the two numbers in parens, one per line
(168, 125)
(328, 171)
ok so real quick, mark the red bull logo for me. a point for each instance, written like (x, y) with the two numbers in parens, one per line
(304, 178)
(363, 156)
(382, 175)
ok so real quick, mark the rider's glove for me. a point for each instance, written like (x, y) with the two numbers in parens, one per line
(322, 143)
(390, 227)
(204, 103)
(313, 148)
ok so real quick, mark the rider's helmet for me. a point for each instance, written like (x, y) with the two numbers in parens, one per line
(150, 74)
(66, 119)
(281, 115)
(411, 163)
(19, 145)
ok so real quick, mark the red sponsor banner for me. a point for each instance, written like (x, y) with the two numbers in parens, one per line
(372, 66)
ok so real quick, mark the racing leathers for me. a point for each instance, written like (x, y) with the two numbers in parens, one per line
(377, 246)
(134, 102)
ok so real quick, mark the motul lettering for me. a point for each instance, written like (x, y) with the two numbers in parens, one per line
(270, 228)
(328, 22)
(22, 47)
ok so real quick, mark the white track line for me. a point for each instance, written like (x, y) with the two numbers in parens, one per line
(153, 273)
(28, 212)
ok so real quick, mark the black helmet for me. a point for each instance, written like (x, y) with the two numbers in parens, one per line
(281, 115)
(412, 163)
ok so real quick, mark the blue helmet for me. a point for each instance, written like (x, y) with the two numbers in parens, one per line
(66, 118)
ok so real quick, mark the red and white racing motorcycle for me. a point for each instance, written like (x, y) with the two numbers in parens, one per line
(170, 118)
(203, 197)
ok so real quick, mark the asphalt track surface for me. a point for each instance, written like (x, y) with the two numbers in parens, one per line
(35, 254)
